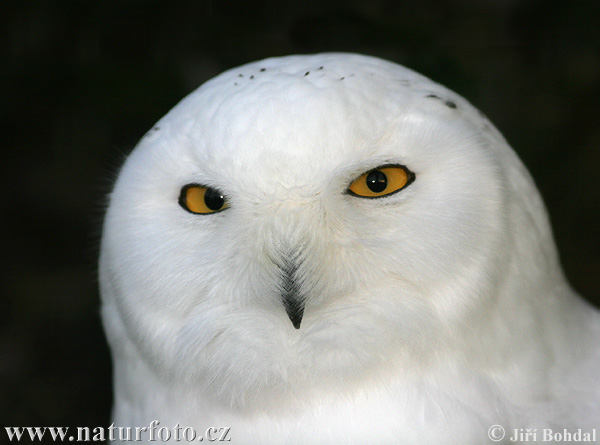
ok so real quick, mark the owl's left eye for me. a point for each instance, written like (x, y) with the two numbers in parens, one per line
(200, 199)
(381, 181)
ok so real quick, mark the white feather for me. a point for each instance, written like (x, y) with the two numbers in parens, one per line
(430, 314)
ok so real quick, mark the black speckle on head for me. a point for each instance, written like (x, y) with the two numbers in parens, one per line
(306, 73)
(235, 83)
(252, 77)
(156, 128)
(342, 78)
(450, 104)
(447, 102)
(240, 75)
(262, 70)
(320, 67)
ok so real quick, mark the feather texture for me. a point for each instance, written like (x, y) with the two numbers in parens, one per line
(427, 316)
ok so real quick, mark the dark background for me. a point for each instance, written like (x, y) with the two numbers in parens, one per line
(82, 81)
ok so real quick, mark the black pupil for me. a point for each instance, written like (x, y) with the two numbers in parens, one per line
(213, 199)
(377, 181)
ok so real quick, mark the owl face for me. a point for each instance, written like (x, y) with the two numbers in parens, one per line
(301, 219)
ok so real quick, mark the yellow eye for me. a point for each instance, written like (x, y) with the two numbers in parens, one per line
(200, 199)
(381, 181)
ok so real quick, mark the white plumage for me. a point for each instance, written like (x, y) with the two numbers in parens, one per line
(426, 315)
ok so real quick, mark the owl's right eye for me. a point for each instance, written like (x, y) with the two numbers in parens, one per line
(199, 199)
(381, 181)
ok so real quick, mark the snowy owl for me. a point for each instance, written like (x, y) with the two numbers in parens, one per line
(333, 248)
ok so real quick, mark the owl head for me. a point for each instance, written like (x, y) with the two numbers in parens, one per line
(322, 218)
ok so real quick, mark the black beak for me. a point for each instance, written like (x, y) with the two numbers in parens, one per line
(295, 310)
(293, 301)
